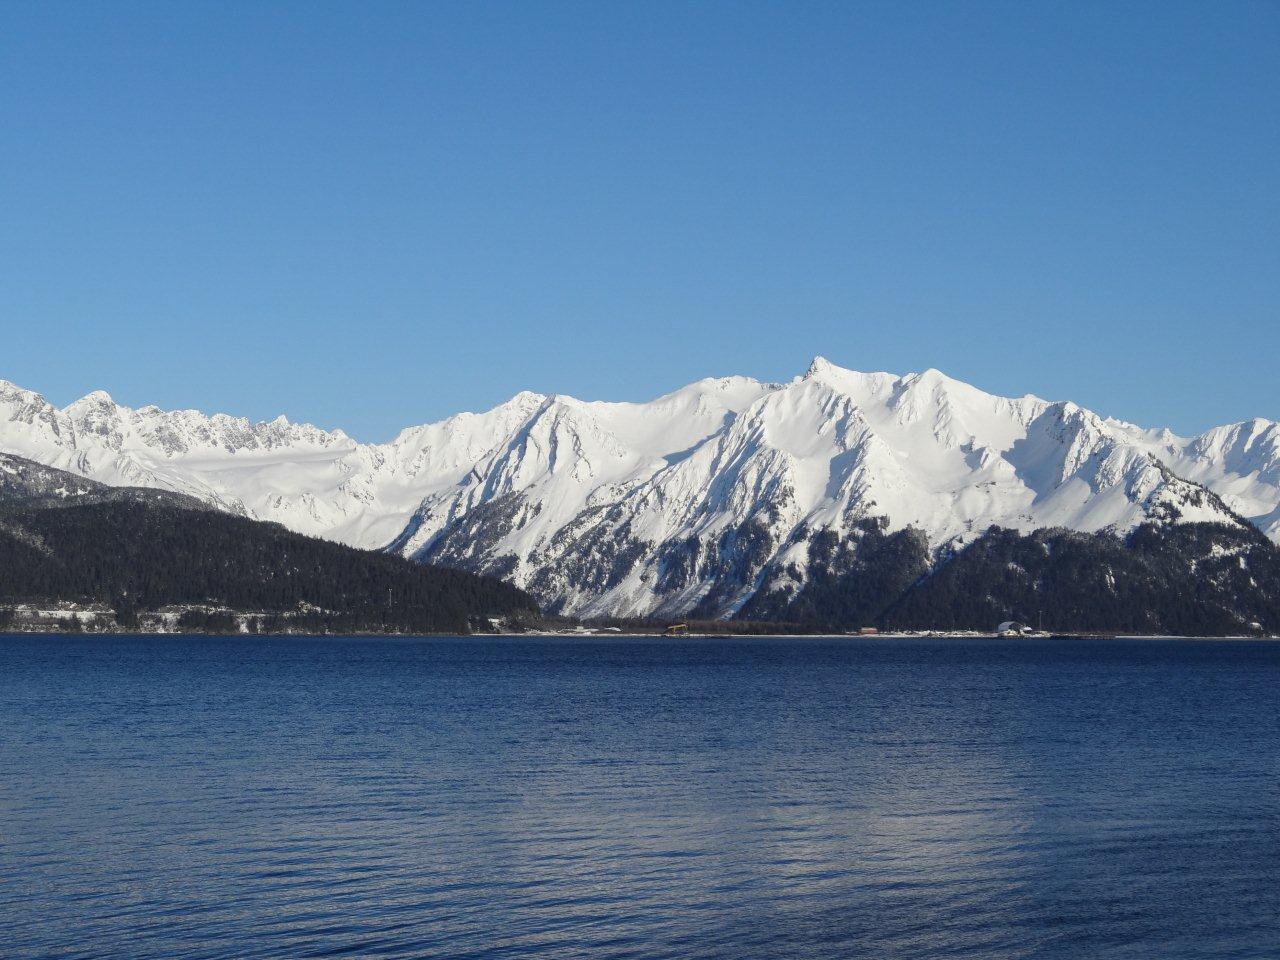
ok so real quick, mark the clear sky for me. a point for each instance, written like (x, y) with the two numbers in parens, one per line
(370, 215)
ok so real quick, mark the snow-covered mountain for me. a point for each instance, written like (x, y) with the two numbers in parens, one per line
(697, 499)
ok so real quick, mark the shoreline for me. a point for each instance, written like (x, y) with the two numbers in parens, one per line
(1100, 636)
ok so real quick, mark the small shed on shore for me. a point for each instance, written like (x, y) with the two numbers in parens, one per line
(1012, 628)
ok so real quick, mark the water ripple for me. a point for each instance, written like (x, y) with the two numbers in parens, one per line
(271, 798)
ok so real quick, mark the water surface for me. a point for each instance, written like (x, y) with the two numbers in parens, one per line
(171, 797)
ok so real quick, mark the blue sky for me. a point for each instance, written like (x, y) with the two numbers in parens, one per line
(371, 215)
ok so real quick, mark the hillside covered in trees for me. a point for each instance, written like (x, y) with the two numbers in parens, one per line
(1182, 579)
(1206, 579)
(63, 538)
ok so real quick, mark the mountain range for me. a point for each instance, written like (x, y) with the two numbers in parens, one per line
(727, 497)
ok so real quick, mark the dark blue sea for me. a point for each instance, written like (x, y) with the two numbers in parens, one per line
(751, 798)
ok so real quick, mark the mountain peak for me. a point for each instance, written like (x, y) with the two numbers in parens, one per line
(96, 397)
(818, 366)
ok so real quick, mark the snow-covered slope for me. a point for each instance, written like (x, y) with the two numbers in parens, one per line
(1240, 462)
(695, 499)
